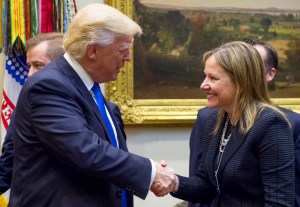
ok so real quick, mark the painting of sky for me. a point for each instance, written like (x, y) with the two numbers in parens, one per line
(258, 4)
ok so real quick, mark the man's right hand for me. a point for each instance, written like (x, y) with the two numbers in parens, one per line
(165, 180)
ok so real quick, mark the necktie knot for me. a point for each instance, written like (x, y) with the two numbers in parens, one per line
(98, 96)
(96, 89)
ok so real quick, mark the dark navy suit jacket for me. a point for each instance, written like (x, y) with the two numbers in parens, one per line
(62, 153)
(6, 158)
(294, 119)
(204, 116)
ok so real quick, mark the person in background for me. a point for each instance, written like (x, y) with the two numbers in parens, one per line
(247, 147)
(270, 59)
(41, 50)
(69, 148)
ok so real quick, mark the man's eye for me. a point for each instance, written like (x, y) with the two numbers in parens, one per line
(123, 51)
(38, 66)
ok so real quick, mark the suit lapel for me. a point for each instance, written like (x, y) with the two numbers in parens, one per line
(232, 146)
(121, 139)
(77, 82)
(212, 154)
(88, 96)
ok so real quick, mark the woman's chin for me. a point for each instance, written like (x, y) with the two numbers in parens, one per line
(211, 105)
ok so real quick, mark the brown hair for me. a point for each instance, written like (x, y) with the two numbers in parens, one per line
(54, 40)
(271, 59)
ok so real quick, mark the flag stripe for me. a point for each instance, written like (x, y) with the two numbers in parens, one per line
(14, 77)
(7, 109)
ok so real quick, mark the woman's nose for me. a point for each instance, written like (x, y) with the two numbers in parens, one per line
(204, 84)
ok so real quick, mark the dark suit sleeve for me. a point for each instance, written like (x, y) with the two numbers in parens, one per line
(294, 119)
(195, 189)
(119, 121)
(196, 138)
(297, 170)
(6, 159)
(69, 135)
(276, 160)
(196, 144)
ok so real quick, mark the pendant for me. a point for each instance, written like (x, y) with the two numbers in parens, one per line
(223, 143)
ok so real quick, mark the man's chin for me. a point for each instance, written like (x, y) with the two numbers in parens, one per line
(115, 77)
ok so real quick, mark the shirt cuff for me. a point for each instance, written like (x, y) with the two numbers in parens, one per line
(153, 173)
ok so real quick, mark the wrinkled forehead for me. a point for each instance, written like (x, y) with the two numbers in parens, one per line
(126, 43)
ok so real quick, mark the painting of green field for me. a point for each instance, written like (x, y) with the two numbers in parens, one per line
(167, 57)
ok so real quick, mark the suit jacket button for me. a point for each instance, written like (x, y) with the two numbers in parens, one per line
(119, 194)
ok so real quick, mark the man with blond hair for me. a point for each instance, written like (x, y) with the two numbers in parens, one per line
(69, 147)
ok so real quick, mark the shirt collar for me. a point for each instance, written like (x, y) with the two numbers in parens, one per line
(84, 76)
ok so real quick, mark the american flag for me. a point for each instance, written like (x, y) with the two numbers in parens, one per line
(17, 27)
(14, 78)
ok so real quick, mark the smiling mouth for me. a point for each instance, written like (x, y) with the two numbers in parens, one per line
(209, 95)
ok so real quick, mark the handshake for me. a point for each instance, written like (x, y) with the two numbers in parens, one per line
(165, 180)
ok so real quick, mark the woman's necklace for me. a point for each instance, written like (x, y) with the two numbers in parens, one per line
(223, 143)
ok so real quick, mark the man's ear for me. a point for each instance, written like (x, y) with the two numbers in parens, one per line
(91, 51)
(270, 74)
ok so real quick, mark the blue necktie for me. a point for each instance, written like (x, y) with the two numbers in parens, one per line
(101, 106)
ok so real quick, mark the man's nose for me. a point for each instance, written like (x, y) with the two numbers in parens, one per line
(31, 71)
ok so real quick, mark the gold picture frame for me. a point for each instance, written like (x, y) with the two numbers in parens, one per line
(158, 111)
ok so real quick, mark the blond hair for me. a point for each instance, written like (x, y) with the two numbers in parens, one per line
(245, 68)
(100, 24)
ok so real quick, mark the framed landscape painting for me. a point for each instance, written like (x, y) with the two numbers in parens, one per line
(161, 83)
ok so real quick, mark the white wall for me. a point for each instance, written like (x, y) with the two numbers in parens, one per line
(168, 143)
